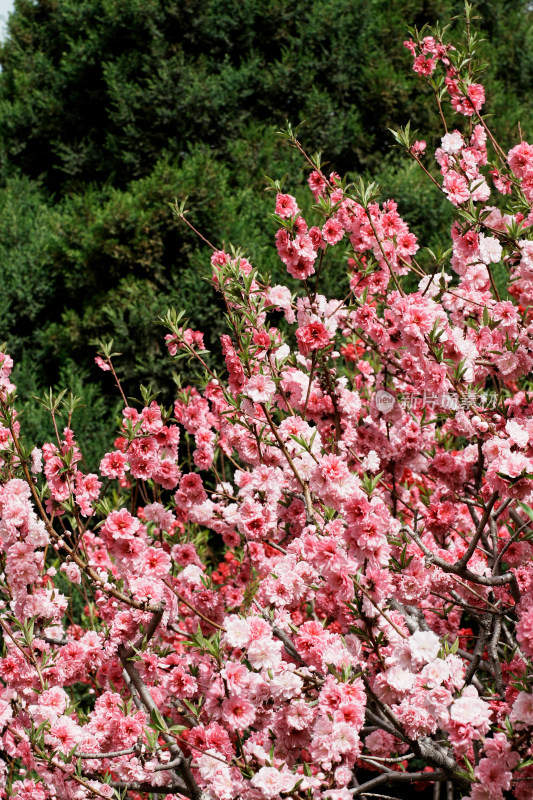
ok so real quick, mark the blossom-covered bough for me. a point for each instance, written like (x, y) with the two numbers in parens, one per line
(312, 577)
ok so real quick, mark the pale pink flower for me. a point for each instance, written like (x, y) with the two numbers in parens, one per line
(299, 715)
(264, 653)
(345, 739)
(490, 250)
(114, 465)
(424, 646)
(523, 708)
(517, 433)
(156, 562)
(72, 572)
(452, 143)
(237, 631)
(471, 709)
(271, 781)
(36, 461)
(260, 388)
(493, 775)
(6, 714)
(121, 524)
(419, 147)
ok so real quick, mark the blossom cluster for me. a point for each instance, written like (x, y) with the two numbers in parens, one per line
(283, 586)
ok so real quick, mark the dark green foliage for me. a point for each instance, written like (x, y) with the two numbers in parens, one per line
(25, 260)
(109, 109)
(99, 90)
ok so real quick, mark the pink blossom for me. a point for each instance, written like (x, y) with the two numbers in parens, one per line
(238, 712)
(332, 231)
(313, 336)
(493, 776)
(452, 143)
(456, 187)
(419, 147)
(260, 388)
(471, 709)
(424, 646)
(260, 605)
(237, 631)
(271, 782)
(72, 572)
(264, 653)
(286, 206)
(156, 562)
(317, 183)
(423, 65)
(102, 364)
(490, 249)
(523, 708)
(114, 465)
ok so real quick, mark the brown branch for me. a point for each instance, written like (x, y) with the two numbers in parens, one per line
(112, 754)
(145, 786)
(485, 628)
(399, 777)
(192, 789)
(463, 561)
(463, 572)
(147, 635)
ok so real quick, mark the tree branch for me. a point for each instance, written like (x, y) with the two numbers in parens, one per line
(399, 777)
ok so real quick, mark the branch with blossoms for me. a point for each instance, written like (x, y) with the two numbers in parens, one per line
(311, 577)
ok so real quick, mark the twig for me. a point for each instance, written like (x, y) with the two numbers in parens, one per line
(399, 777)
(456, 569)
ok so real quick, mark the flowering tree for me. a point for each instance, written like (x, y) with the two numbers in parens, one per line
(360, 614)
